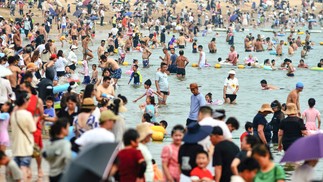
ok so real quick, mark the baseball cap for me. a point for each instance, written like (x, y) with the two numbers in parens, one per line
(299, 85)
(53, 56)
(107, 115)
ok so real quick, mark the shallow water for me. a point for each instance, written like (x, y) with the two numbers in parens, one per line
(250, 96)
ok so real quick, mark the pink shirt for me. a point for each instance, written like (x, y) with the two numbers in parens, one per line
(310, 116)
(170, 155)
(233, 55)
(85, 68)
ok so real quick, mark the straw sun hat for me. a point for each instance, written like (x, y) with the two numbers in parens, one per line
(144, 130)
(88, 103)
(266, 108)
(291, 109)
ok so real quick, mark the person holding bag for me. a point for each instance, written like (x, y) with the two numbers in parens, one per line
(23, 126)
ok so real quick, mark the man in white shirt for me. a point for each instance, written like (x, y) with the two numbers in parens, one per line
(114, 31)
(101, 134)
(5, 91)
(161, 82)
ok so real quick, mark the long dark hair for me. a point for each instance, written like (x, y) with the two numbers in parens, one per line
(56, 128)
(114, 106)
(88, 91)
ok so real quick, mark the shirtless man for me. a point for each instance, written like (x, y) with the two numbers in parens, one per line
(265, 86)
(146, 53)
(145, 40)
(181, 41)
(293, 96)
(279, 48)
(42, 32)
(128, 44)
(181, 63)
(166, 59)
(233, 56)
(290, 49)
(105, 89)
(52, 47)
(7, 28)
(270, 44)
(290, 67)
(258, 46)
(74, 35)
(86, 50)
(101, 48)
(14, 79)
(114, 68)
(212, 46)
(17, 40)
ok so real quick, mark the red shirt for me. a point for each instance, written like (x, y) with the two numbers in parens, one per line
(201, 173)
(244, 135)
(128, 164)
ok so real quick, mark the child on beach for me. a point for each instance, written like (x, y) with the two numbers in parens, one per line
(85, 72)
(310, 116)
(122, 54)
(136, 76)
(151, 108)
(208, 98)
(95, 73)
(149, 92)
(6, 109)
(194, 46)
(200, 172)
(13, 172)
(249, 129)
(49, 114)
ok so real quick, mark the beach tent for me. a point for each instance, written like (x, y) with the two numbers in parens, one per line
(233, 17)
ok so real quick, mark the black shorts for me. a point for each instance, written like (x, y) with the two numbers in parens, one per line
(181, 71)
(212, 51)
(60, 73)
(231, 97)
(181, 46)
(164, 92)
(247, 50)
(128, 49)
(151, 36)
(72, 67)
(83, 37)
(74, 37)
(290, 74)
(111, 48)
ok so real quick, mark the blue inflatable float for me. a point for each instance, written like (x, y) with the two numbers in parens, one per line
(60, 88)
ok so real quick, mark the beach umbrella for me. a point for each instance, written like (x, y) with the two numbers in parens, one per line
(4, 71)
(305, 148)
(127, 14)
(86, 2)
(233, 17)
(77, 13)
(92, 164)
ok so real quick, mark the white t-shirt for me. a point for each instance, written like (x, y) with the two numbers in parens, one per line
(114, 31)
(149, 173)
(96, 135)
(303, 173)
(5, 90)
(206, 143)
(60, 64)
(72, 58)
(41, 47)
(162, 79)
(231, 85)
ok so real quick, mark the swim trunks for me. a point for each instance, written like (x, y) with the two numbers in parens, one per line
(181, 71)
(74, 37)
(145, 62)
(181, 46)
(231, 97)
(117, 73)
(86, 80)
(164, 92)
(212, 51)
(290, 74)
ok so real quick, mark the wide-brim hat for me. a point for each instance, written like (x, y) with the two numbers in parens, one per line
(122, 108)
(291, 108)
(266, 108)
(231, 72)
(196, 133)
(88, 103)
(107, 115)
(144, 130)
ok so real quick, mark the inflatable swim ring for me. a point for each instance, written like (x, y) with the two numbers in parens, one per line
(303, 42)
(273, 52)
(80, 62)
(285, 43)
(321, 43)
(129, 72)
(280, 34)
(241, 66)
(158, 133)
(194, 65)
(217, 65)
(317, 69)
(300, 33)
(125, 63)
(60, 88)
(268, 68)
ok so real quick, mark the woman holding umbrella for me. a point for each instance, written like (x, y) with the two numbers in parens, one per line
(291, 128)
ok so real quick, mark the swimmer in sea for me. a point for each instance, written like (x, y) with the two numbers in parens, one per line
(290, 67)
(304, 52)
(279, 48)
(266, 86)
(302, 64)
(208, 98)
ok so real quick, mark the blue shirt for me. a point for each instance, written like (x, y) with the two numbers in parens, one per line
(150, 109)
(50, 112)
(196, 102)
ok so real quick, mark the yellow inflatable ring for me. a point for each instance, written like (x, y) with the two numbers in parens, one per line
(158, 129)
(194, 65)
(303, 42)
(241, 66)
(217, 66)
(80, 62)
(321, 43)
(125, 63)
(285, 43)
(300, 33)
(157, 136)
